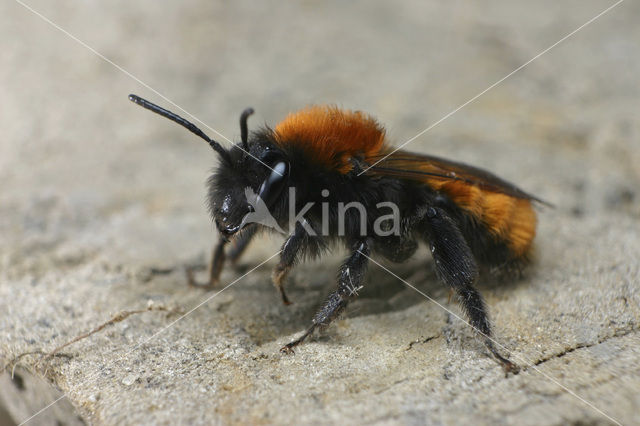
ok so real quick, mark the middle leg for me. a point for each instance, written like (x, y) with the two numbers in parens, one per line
(297, 245)
(350, 280)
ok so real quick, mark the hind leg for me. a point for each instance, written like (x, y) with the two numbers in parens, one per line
(456, 266)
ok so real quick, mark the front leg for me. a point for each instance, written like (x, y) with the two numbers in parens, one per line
(350, 280)
(215, 267)
(297, 245)
(218, 257)
(240, 243)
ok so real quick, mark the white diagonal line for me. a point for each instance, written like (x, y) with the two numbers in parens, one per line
(203, 302)
(495, 84)
(44, 409)
(410, 140)
(162, 330)
(501, 346)
(121, 69)
(127, 73)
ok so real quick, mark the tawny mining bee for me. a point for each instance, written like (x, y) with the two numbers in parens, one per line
(330, 170)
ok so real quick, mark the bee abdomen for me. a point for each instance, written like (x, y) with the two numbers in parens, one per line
(510, 220)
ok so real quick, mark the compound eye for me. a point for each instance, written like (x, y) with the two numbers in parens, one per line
(273, 185)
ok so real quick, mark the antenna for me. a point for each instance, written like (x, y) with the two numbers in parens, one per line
(244, 132)
(184, 123)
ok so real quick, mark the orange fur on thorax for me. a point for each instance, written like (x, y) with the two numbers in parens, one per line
(331, 136)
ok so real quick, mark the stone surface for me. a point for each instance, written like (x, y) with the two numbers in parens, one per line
(102, 205)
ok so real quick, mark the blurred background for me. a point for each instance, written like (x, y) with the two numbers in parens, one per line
(94, 187)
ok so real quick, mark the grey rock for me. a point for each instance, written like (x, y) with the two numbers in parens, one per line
(102, 206)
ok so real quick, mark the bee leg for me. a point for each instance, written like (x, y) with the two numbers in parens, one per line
(218, 257)
(288, 257)
(240, 243)
(279, 277)
(215, 267)
(296, 245)
(456, 266)
(350, 278)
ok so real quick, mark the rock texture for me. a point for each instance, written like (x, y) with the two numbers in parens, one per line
(102, 207)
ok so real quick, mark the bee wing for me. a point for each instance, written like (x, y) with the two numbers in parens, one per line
(437, 172)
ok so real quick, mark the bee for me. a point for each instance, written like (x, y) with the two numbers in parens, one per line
(321, 159)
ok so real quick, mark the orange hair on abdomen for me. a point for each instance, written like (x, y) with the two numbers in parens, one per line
(509, 219)
(331, 136)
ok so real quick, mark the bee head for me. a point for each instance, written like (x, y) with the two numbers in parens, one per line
(248, 181)
(248, 187)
